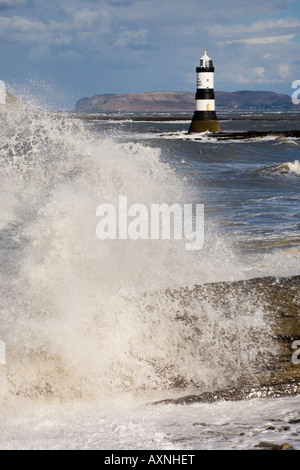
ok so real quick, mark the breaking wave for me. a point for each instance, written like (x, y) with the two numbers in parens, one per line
(294, 167)
(282, 169)
(81, 317)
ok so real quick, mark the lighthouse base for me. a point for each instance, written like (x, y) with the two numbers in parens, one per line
(204, 121)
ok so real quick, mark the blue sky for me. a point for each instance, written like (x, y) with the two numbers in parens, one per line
(69, 49)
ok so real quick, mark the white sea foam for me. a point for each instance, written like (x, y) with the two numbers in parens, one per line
(74, 320)
(294, 166)
(125, 426)
(287, 168)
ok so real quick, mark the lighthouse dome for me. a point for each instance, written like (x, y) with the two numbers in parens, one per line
(206, 61)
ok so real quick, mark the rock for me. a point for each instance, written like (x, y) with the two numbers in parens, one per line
(284, 428)
(287, 447)
(272, 446)
(277, 376)
(275, 295)
(255, 134)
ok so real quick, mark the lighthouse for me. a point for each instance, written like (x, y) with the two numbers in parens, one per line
(205, 118)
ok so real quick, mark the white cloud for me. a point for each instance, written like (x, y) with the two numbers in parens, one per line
(274, 24)
(86, 19)
(135, 37)
(264, 40)
(284, 70)
(245, 74)
(123, 2)
(21, 29)
(262, 52)
(265, 25)
(260, 72)
(13, 3)
(260, 32)
(24, 30)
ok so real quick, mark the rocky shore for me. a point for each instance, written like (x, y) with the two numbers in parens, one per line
(256, 134)
(280, 298)
(248, 135)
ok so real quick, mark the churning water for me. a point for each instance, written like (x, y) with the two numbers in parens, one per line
(88, 321)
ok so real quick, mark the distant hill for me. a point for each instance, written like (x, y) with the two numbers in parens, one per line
(183, 101)
(246, 99)
(152, 101)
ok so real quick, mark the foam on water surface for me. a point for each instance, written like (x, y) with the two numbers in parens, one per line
(218, 426)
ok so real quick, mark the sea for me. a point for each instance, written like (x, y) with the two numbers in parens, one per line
(93, 349)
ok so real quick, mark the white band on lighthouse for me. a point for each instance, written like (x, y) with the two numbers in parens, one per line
(205, 105)
(205, 80)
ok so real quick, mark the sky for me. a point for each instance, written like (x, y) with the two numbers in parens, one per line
(69, 49)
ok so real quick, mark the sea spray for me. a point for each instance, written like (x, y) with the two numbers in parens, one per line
(75, 312)
(288, 168)
(294, 166)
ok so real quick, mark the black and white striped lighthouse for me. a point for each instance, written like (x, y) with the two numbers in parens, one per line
(205, 118)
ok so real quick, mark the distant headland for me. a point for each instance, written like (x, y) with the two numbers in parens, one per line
(184, 101)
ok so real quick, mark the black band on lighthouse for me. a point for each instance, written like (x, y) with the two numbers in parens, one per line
(205, 69)
(205, 94)
(205, 115)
